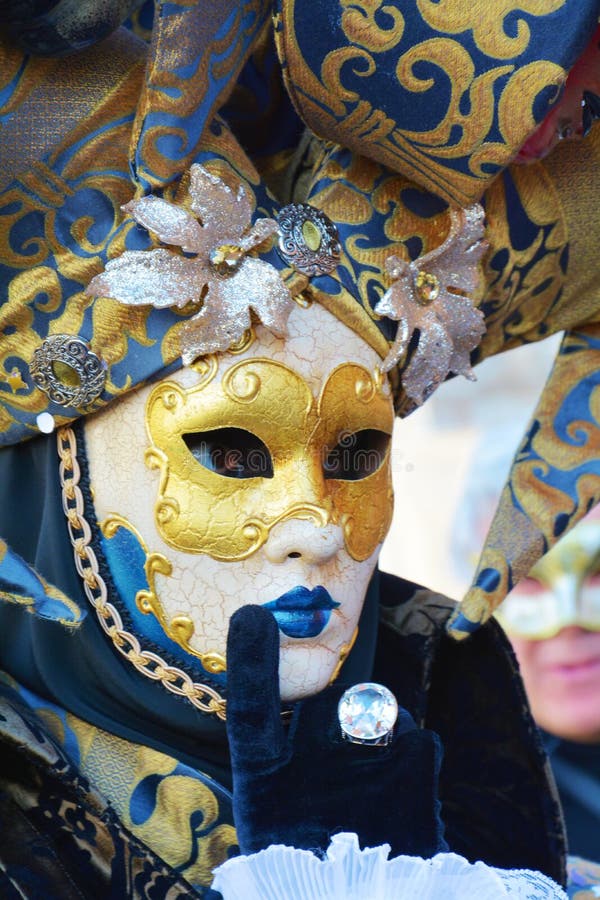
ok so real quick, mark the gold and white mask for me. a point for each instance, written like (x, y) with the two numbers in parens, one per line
(562, 589)
(259, 475)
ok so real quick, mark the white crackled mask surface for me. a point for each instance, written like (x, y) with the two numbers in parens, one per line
(256, 476)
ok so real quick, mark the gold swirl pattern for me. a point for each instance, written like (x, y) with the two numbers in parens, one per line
(157, 798)
(241, 386)
(361, 24)
(554, 479)
(59, 222)
(63, 216)
(488, 22)
(196, 54)
(450, 122)
(443, 53)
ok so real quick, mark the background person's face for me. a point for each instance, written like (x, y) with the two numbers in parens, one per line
(553, 621)
(198, 508)
(562, 680)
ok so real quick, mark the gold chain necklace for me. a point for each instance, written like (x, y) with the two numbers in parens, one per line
(149, 664)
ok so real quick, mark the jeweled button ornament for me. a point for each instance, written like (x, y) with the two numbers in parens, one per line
(308, 239)
(427, 288)
(367, 713)
(67, 371)
(226, 258)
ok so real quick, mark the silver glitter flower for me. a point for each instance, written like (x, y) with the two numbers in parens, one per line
(221, 275)
(431, 294)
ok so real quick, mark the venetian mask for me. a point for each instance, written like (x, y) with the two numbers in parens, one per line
(260, 475)
(562, 589)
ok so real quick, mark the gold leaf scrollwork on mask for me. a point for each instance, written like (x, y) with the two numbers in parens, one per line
(241, 386)
(167, 510)
(366, 388)
(172, 398)
(207, 367)
(364, 506)
(246, 341)
(180, 628)
(258, 530)
(231, 518)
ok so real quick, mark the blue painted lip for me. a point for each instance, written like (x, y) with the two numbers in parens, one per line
(301, 612)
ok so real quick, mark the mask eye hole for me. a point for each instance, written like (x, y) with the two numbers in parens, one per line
(357, 455)
(231, 452)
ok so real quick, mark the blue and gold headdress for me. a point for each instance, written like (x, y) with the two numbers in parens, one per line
(118, 262)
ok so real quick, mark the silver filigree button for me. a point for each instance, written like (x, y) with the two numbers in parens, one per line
(367, 713)
(308, 239)
(67, 371)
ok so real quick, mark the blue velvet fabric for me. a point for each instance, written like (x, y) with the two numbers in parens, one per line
(496, 803)
(300, 786)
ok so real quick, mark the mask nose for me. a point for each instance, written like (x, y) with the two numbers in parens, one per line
(298, 539)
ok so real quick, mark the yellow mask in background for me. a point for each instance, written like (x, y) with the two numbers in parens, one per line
(562, 589)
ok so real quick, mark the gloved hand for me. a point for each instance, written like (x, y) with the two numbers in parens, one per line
(299, 784)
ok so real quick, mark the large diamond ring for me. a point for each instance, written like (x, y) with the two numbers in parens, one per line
(367, 713)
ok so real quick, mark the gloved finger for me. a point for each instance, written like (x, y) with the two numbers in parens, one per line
(254, 726)
(404, 723)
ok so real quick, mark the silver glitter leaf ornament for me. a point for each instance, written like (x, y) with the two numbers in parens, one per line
(220, 275)
(430, 295)
(257, 286)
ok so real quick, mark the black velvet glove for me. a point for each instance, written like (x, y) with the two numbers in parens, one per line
(299, 784)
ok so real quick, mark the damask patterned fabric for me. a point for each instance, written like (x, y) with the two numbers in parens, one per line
(163, 804)
(443, 93)
(134, 132)
(59, 837)
(61, 219)
(555, 477)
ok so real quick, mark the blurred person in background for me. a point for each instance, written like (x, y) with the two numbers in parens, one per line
(553, 621)
(552, 617)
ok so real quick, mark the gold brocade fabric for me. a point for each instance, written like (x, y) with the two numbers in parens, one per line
(553, 480)
(52, 98)
(61, 219)
(81, 137)
(443, 92)
(180, 814)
